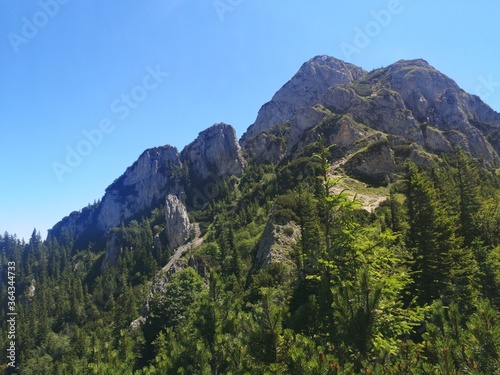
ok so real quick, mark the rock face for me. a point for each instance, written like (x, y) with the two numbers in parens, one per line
(143, 184)
(113, 250)
(157, 173)
(177, 226)
(409, 99)
(376, 119)
(374, 164)
(146, 182)
(303, 90)
(215, 153)
(277, 243)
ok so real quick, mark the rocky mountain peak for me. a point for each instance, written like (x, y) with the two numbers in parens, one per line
(409, 99)
(303, 90)
(421, 63)
(408, 103)
(215, 153)
(144, 183)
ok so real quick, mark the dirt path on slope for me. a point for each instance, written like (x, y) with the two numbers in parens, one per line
(183, 249)
(370, 198)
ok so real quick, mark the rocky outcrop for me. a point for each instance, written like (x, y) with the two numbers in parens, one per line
(303, 90)
(215, 153)
(146, 182)
(157, 173)
(175, 264)
(76, 224)
(375, 164)
(305, 119)
(348, 132)
(177, 226)
(436, 100)
(277, 243)
(383, 110)
(408, 103)
(114, 249)
(409, 99)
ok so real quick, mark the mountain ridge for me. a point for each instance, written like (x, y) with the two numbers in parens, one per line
(408, 102)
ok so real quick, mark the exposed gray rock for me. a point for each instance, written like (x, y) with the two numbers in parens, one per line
(348, 133)
(177, 226)
(175, 264)
(277, 244)
(435, 99)
(303, 90)
(113, 250)
(435, 140)
(305, 119)
(383, 110)
(215, 153)
(407, 103)
(160, 286)
(266, 147)
(75, 223)
(30, 293)
(146, 182)
(376, 163)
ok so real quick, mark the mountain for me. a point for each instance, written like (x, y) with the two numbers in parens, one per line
(351, 229)
(303, 90)
(408, 102)
(376, 120)
(157, 173)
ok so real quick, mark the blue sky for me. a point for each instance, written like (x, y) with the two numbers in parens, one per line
(108, 79)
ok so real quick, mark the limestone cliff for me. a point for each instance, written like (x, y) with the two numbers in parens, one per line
(376, 120)
(409, 102)
(177, 227)
(215, 153)
(146, 182)
(156, 179)
(303, 90)
(277, 243)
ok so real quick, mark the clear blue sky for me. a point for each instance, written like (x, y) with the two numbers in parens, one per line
(67, 66)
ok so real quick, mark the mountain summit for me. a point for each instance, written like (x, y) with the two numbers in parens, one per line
(410, 101)
(303, 90)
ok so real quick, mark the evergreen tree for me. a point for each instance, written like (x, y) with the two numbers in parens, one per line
(430, 236)
(468, 189)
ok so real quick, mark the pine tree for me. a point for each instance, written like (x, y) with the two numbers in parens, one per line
(468, 189)
(430, 236)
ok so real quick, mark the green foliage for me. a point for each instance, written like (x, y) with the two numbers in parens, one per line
(169, 306)
(471, 348)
